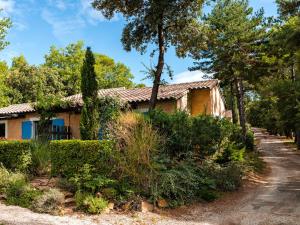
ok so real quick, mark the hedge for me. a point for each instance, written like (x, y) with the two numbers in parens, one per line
(69, 156)
(16, 155)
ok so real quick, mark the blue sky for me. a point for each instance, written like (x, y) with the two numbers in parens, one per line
(38, 24)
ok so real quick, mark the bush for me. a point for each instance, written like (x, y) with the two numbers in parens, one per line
(41, 161)
(16, 155)
(49, 202)
(183, 182)
(176, 128)
(88, 180)
(4, 177)
(95, 205)
(206, 135)
(227, 177)
(69, 156)
(19, 192)
(89, 203)
(136, 145)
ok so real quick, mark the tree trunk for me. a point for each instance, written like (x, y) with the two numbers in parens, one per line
(232, 103)
(240, 101)
(159, 68)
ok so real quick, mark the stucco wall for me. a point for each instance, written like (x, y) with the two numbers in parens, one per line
(15, 125)
(218, 105)
(200, 102)
(167, 106)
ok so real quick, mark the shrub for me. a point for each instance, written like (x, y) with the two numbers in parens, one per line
(16, 155)
(176, 128)
(48, 202)
(89, 203)
(41, 161)
(136, 144)
(69, 156)
(19, 192)
(206, 135)
(183, 182)
(88, 180)
(4, 177)
(95, 205)
(227, 177)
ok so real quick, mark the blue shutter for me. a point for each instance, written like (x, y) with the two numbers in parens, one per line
(26, 130)
(58, 122)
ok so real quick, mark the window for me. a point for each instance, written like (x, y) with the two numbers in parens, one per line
(3, 131)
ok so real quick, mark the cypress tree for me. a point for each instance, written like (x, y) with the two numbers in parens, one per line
(89, 123)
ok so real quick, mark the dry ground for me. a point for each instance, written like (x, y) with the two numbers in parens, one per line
(273, 199)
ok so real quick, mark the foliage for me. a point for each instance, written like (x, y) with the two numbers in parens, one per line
(68, 62)
(136, 144)
(19, 192)
(201, 136)
(181, 183)
(16, 155)
(109, 110)
(40, 156)
(89, 180)
(89, 203)
(48, 202)
(233, 55)
(89, 125)
(162, 23)
(69, 156)
(227, 178)
(28, 83)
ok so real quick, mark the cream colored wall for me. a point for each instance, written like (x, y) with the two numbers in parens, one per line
(15, 125)
(167, 106)
(218, 104)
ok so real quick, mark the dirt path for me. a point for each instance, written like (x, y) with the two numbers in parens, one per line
(275, 202)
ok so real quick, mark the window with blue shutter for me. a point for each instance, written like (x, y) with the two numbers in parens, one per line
(26, 130)
(58, 128)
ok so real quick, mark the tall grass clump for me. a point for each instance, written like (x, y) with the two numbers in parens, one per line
(137, 143)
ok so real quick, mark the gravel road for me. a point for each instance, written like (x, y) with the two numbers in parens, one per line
(275, 201)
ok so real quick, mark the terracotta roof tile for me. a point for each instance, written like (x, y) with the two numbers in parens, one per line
(17, 108)
(172, 91)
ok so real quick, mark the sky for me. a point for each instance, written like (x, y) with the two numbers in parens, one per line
(39, 24)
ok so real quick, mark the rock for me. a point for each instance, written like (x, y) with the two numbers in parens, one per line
(126, 206)
(69, 200)
(111, 205)
(146, 207)
(162, 203)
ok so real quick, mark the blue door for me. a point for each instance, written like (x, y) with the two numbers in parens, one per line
(26, 130)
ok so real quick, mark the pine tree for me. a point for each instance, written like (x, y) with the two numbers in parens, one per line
(89, 123)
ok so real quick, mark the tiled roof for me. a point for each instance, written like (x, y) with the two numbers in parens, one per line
(17, 108)
(172, 91)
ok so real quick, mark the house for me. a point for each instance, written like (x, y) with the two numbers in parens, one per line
(20, 121)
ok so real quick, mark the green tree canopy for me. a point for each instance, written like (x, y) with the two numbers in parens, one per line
(159, 22)
(69, 60)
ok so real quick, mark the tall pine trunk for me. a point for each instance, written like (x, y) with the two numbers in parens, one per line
(232, 103)
(159, 68)
(241, 106)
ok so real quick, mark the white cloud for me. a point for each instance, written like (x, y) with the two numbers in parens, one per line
(7, 6)
(90, 14)
(188, 76)
(71, 16)
(62, 27)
